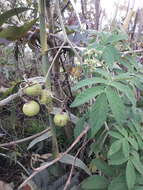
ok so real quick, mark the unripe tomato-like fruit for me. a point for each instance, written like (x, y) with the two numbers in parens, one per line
(45, 97)
(33, 90)
(61, 119)
(31, 108)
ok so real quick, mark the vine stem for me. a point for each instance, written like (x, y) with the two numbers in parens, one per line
(46, 67)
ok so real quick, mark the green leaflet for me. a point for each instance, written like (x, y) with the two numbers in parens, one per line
(89, 81)
(126, 90)
(103, 167)
(94, 182)
(130, 175)
(116, 104)
(133, 142)
(124, 76)
(137, 164)
(117, 159)
(79, 127)
(87, 95)
(98, 113)
(103, 73)
(118, 183)
(110, 55)
(114, 38)
(125, 148)
(115, 147)
(115, 134)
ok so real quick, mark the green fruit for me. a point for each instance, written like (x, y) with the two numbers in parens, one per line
(61, 119)
(33, 90)
(45, 97)
(31, 108)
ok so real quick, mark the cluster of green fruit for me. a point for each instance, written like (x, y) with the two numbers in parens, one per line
(32, 108)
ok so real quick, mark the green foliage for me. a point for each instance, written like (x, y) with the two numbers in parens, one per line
(79, 126)
(103, 167)
(107, 103)
(110, 55)
(115, 147)
(98, 113)
(130, 175)
(137, 163)
(89, 81)
(95, 182)
(118, 183)
(113, 113)
(125, 148)
(116, 105)
(87, 95)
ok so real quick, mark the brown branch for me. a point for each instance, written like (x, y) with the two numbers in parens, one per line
(24, 140)
(41, 168)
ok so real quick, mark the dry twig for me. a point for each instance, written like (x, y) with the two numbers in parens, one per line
(24, 140)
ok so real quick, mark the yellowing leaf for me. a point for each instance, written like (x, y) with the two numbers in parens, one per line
(13, 33)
